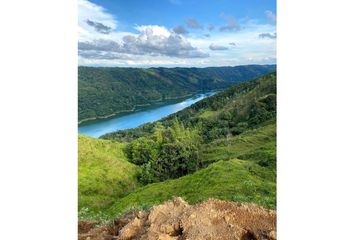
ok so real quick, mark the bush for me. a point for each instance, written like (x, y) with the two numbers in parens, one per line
(168, 153)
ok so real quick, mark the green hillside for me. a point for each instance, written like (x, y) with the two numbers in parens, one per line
(104, 174)
(222, 147)
(258, 145)
(104, 91)
(238, 108)
(234, 180)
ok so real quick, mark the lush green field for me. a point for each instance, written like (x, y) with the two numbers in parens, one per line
(104, 91)
(104, 173)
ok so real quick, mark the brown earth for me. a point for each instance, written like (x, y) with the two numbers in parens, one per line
(177, 220)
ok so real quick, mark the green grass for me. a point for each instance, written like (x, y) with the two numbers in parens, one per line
(234, 180)
(257, 145)
(208, 114)
(104, 174)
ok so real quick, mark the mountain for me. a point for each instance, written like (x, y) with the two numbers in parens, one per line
(222, 147)
(106, 91)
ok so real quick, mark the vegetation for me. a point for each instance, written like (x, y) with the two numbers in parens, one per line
(104, 174)
(222, 147)
(233, 180)
(105, 91)
(167, 153)
(258, 145)
(229, 113)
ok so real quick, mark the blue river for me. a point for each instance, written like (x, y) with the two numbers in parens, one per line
(98, 128)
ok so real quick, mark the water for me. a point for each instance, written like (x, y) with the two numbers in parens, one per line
(131, 120)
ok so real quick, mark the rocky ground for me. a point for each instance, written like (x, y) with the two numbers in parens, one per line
(177, 220)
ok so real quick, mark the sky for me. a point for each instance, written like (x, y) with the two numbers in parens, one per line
(176, 33)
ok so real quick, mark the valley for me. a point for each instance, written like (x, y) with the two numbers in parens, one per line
(221, 147)
(106, 91)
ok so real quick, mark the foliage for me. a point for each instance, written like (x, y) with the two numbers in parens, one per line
(167, 153)
(105, 91)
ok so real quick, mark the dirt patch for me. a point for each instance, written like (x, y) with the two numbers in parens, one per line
(177, 220)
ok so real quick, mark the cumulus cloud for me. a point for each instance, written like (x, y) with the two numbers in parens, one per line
(180, 30)
(99, 27)
(193, 23)
(231, 23)
(272, 19)
(214, 47)
(93, 20)
(268, 35)
(152, 41)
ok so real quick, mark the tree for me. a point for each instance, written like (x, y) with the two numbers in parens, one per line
(168, 153)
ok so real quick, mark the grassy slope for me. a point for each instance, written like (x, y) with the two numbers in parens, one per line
(104, 173)
(256, 144)
(234, 180)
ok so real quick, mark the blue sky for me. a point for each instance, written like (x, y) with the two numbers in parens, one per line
(177, 32)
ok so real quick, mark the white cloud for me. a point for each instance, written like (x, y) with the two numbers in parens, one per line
(272, 19)
(94, 13)
(151, 40)
(155, 45)
(250, 49)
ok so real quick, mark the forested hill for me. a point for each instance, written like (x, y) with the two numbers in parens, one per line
(230, 112)
(105, 91)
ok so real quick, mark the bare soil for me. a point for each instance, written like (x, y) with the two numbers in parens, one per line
(177, 220)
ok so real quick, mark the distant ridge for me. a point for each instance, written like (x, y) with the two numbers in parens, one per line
(106, 91)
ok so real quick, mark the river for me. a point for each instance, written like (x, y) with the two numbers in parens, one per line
(98, 128)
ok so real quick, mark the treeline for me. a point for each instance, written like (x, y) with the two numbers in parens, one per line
(231, 112)
(104, 91)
